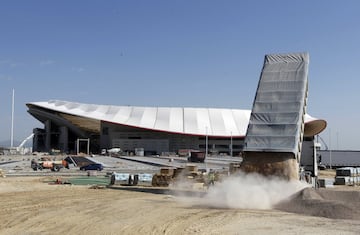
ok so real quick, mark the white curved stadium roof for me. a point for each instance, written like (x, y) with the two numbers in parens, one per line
(189, 121)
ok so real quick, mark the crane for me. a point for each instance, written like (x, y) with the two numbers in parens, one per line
(322, 140)
(18, 148)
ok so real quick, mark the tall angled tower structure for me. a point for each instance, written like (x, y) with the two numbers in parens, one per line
(276, 128)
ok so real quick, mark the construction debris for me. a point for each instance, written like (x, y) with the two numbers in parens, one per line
(97, 187)
(2, 174)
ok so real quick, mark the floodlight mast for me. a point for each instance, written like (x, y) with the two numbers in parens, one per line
(12, 119)
(206, 142)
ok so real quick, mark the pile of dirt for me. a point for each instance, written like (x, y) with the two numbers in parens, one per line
(324, 203)
(282, 165)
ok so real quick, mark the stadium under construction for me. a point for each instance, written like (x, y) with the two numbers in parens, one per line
(69, 126)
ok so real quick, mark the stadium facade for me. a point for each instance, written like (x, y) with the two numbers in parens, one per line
(155, 129)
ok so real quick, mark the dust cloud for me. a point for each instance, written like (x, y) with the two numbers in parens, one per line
(250, 191)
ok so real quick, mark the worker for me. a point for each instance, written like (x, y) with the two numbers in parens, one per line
(211, 177)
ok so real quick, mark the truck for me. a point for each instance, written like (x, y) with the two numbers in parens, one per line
(46, 163)
(196, 156)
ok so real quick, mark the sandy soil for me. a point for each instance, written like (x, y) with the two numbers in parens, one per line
(30, 206)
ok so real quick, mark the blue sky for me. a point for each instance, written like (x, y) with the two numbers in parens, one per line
(176, 53)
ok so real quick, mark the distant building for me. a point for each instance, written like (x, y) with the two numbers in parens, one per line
(339, 158)
(156, 129)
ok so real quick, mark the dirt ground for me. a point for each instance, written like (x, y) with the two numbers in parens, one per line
(30, 205)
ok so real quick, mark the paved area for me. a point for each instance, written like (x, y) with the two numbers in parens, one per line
(20, 164)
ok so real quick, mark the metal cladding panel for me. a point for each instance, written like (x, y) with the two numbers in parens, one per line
(197, 121)
(91, 108)
(162, 119)
(71, 106)
(240, 117)
(277, 119)
(148, 118)
(176, 120)
(217, 121)
(193, 121)
(121, 116)
(100, 112)
(229, 122)
(203, 122)
(190, 121)
(135, 116)
(112, 111)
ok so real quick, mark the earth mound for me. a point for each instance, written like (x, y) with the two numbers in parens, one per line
(324, 203)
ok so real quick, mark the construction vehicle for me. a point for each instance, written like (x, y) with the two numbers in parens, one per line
(164, 178)
(196, 156)
(178, 176)
(47, 163)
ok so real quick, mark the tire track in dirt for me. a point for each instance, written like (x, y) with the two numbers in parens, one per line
(61, 209)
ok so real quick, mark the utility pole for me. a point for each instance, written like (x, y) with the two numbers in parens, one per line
(206, 148)
(231, 145)
(206, 143)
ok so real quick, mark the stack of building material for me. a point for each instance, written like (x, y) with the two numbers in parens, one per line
(120, 178)
(2, 174)
(326, 183)
(144, 179)
(191, 169)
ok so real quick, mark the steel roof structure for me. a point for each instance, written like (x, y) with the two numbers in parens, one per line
(214, 122)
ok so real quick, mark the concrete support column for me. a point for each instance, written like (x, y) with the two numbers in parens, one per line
(105, 137)
(64, 139)
(48, 135)
(35, 140)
